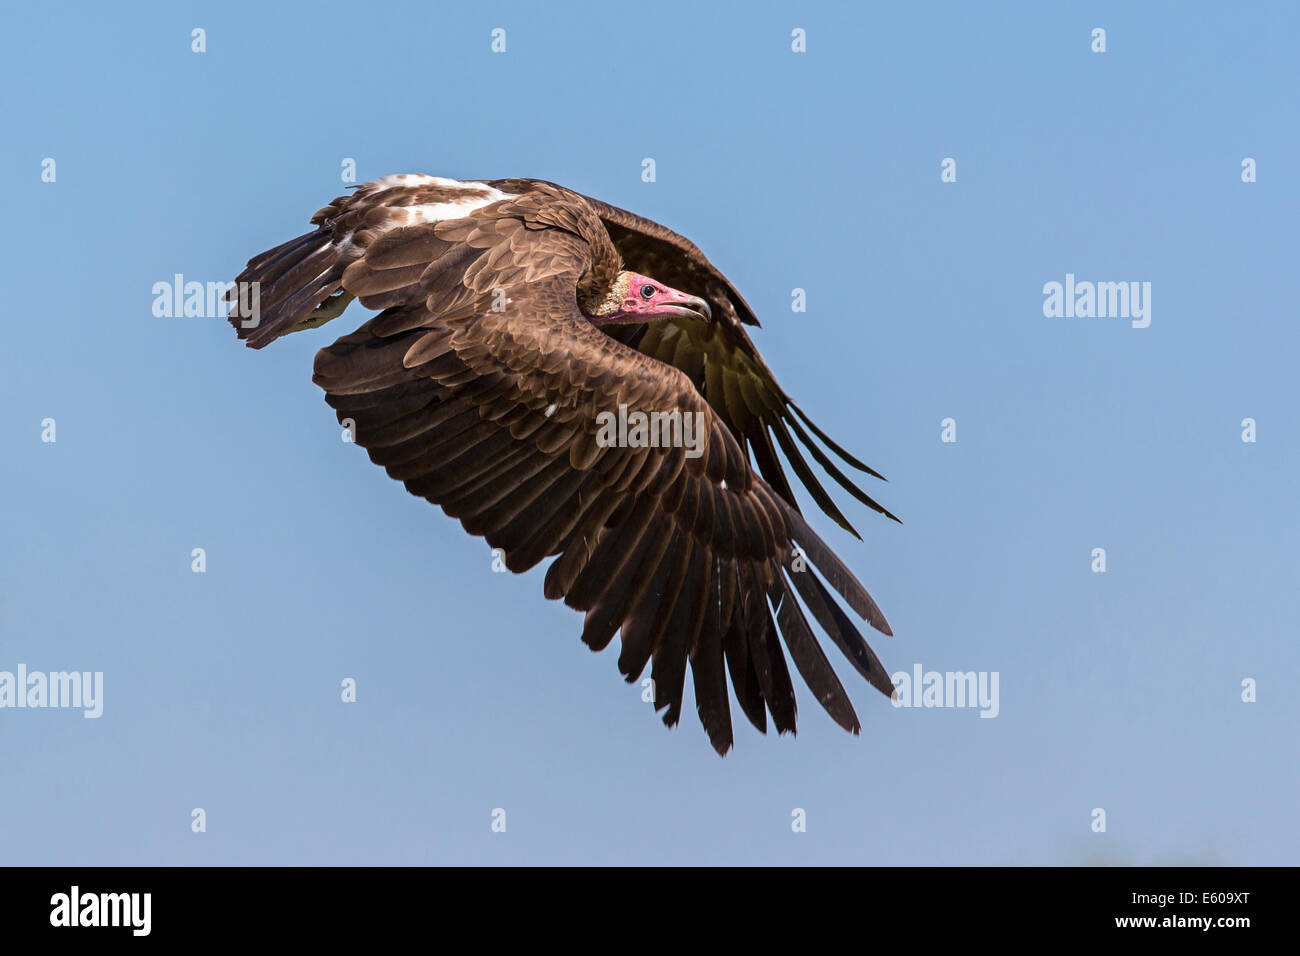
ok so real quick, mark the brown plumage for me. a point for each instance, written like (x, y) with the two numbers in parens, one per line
(479, 387)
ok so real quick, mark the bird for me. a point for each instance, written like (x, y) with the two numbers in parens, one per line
(515, 318)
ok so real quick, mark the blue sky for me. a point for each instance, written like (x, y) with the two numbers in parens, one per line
(820, 171)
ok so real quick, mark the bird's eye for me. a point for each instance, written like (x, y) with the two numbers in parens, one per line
(647, 292)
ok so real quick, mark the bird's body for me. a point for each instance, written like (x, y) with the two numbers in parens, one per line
(517, 315)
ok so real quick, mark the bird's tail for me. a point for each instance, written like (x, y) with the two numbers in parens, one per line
(296, 285)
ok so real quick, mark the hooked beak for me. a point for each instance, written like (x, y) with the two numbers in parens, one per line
(689, 307)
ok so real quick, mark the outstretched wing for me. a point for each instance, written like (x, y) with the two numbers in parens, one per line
(720, 358)
(481, 387)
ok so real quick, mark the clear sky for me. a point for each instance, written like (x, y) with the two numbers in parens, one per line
(821, 170)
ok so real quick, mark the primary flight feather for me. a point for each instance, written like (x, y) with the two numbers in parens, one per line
(518, 317)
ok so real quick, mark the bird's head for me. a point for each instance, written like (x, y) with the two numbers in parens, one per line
(637, 298)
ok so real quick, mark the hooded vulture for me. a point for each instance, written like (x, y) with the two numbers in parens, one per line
(516, 317)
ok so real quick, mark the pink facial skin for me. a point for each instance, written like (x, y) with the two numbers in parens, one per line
(648, 299)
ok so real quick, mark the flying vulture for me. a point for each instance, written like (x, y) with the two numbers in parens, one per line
(516, 318)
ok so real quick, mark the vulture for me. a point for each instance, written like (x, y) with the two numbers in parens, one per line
(516, 316)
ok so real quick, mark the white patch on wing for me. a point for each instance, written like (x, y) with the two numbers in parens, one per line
(412, 179)
(459, 209)
(550, 410)
(478, 195)
(456, 208)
